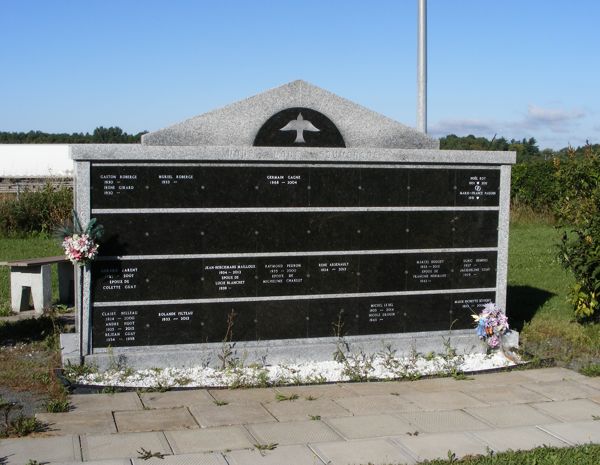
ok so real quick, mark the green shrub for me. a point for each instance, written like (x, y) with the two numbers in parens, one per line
(578, 215)
(534, 185)
(36, 211)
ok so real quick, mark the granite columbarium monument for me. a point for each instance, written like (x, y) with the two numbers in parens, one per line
(297, 216)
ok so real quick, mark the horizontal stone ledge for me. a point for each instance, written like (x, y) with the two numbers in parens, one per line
(132, 152)
(287, 297)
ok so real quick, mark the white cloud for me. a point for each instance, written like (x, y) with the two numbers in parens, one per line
(552, 115)
(554, 119)
(478, 127)
(538, 122)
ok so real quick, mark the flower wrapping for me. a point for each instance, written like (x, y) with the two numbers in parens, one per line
(79, 242)
(80, 249)
(492, 324)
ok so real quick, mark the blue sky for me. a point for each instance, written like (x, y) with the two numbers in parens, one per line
(516, 68)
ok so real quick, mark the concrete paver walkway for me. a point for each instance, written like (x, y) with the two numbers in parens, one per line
(380, 422)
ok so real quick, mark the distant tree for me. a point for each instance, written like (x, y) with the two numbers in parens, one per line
(527, 149)
(101, 135)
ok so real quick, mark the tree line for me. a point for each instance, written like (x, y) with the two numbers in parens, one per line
(101, 135)
(527, 149)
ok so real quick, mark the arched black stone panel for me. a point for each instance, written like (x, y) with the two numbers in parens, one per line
(299, 127)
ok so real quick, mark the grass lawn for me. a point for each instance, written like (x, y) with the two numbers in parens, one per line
(588, 454)
(537, 299)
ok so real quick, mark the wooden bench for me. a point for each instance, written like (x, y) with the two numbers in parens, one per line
(32, 278)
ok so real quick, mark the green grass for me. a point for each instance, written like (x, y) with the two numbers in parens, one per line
(588, 454)
(537, 299)
(18, 248)
(537, 283)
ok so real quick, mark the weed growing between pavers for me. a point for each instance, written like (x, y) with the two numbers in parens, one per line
(14, 423)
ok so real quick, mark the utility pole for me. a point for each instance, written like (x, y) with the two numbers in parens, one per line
(422, 67)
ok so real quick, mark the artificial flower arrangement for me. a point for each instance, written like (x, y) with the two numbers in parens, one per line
(492, 324)
(80, 243)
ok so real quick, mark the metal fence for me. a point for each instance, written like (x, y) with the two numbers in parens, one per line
(18, 185)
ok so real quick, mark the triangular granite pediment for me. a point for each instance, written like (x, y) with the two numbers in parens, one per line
(239, 123)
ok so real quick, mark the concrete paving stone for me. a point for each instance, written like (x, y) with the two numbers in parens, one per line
(302, 409)
(442, 421)
(97, 462)
(518, 438)
(500, 378)
(78, 422)
(172, 399)
(209, 439)
(125, 445)
(367, 405)
(263, 395)
(155, 420)
(372, 451)
(441, 384)
(107, 402)
(293, 432)
(503, 395)
(443, 400)
(502, 416)
(570, 410)
(543, 375)
(19, 451)
(211, 458)
(375, 388)
(563, 390)
(319, 391)
(591, 381)
(230, 414)
(436, 446)
(578, 432)
(369, 426)
(293, 455)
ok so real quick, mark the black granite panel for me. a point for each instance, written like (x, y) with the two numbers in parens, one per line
(381, 273)
(169, 324)
(333, 318)
(277, 319)
(431, 229)
(334, 187)
(334, 230)
(465, 305)
(478, 187)
(145, 186)
(475, 228)
(185, 233)
(276, 232)
(431, 187)
(172, 279)
(334, 274)
(177, 233)
(380, 187)
(227, 187)
(283, 276)
(283, 319)
(206, 186)
(429, 271)
(444, 229)
(474, 269)
(299, 127)
(382, 230)
(282, 187)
